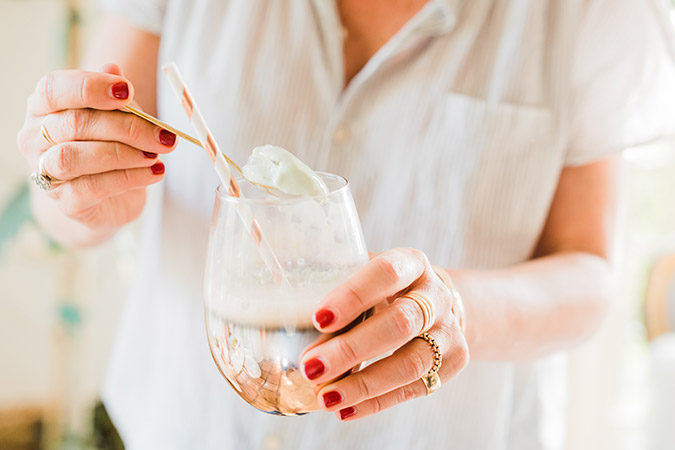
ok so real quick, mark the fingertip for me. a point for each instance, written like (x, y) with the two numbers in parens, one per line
(331, 398)
(158, 168)
(120, 90)
(166, 138)
(313, 368)
(323, 318)
(112, 69)
(347, 413)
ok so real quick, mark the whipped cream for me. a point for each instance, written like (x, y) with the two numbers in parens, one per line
(280, 169)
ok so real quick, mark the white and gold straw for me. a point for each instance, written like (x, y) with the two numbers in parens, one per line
(209, 143)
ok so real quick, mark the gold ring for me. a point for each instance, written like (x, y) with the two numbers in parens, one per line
(432, 382)
(46, 135)
(431, 379)
(42, 179)
(426, 306)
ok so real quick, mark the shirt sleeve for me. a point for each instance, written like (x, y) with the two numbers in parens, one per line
(145, 14)
(623, 78)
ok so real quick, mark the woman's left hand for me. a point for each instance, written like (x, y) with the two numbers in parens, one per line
(384, 283)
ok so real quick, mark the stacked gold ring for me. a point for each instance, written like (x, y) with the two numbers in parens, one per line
(46, 135)
(41, 178)
(427, 309)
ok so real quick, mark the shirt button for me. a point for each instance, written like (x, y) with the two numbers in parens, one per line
(272, 442)
(341, 134)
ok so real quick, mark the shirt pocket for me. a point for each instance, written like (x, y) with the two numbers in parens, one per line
(503, 162)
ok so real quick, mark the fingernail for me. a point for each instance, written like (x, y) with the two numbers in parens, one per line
(120, 90)
(167, 138)
(158, 168)
(150, 155)
(347, 413)
(324, 317)
(331, 398)
(314, 368)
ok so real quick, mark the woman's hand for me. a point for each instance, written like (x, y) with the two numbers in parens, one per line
(384, 282)
(104, 157)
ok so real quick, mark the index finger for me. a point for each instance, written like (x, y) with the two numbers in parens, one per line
(78, 89)
(384, 276)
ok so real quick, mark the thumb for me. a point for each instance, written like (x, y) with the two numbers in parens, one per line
(112, 69)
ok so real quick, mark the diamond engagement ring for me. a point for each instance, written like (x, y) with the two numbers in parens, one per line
(42, 179)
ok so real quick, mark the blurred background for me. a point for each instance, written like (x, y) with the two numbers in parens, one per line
(58, 308)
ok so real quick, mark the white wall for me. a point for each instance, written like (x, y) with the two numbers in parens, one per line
(43, 361)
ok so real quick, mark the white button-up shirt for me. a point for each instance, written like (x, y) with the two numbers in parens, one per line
(453, 137)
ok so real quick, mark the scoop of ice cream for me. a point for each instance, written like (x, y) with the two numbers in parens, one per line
(280, 169)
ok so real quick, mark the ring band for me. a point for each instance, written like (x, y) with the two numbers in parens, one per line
(42, 179)
(46, 135)
(431, 379)
(426, 306)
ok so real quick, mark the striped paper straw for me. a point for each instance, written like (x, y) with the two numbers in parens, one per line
(209, 143)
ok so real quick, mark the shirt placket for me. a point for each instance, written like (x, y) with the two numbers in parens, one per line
(431, 20)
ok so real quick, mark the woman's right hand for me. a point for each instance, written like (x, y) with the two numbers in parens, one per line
(105, 157)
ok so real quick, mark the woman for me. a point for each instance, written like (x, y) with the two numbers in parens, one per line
(477, 136)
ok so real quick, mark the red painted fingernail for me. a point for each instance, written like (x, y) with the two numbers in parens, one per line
(150, 155)
(120, 90)
(331, 398)
(347, 413)
(314, 368)
(158, 168)
(324, 317)
(167, 138)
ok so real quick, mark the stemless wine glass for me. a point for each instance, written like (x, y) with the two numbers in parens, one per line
(257, 327)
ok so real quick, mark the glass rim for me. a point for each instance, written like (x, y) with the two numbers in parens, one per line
(223, 195)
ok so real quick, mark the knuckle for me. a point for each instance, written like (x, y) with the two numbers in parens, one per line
(405, 320)
(89, 184)
(445, 333)
(413, 367)
(347, 349)
(45, 89)
(84, 91)
(116, 154)
(378, 406)
(64, 160)
(125, 180)
(421, 257)
(356, 298)
(390, 269)
(362, 386)
(74, 122)
(133, 129)
(406, 393)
